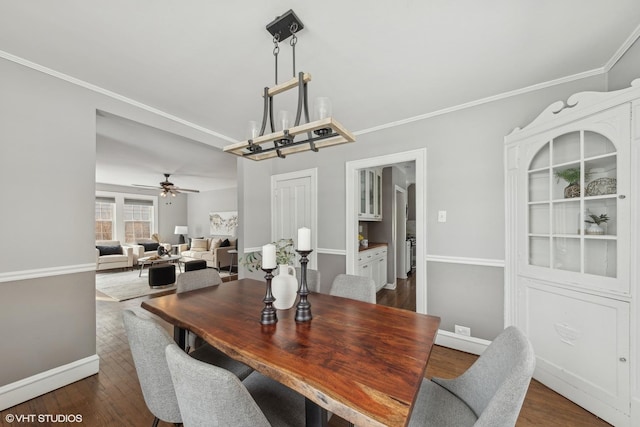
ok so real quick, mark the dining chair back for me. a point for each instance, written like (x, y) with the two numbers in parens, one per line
(355, 287)
(147, 341)
(313, 279)
(489, 394)
(208, 395)
(197, 279)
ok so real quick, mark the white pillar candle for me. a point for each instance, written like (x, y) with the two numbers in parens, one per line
(304, 239)
(269, 256)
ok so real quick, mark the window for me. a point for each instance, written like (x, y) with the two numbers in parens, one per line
(105, 208)
(138, 220)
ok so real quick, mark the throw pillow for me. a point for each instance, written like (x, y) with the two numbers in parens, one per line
(215, 244)
(149, 246)
(199, 245)
(110, 250)
(225, 244)
(191, 239)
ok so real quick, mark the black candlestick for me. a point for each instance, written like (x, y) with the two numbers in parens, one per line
(269, 315)
(303, 309)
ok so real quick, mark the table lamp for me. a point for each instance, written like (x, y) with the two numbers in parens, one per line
(181, 230)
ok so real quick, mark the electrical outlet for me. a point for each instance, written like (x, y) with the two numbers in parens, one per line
(442, 216)
(463, 330)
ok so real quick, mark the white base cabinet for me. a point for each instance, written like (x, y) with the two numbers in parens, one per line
(570, 286)
(372, 263)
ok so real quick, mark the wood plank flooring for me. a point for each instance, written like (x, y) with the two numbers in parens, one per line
(113, 396)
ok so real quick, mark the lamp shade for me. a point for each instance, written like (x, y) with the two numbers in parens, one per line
(181, 229)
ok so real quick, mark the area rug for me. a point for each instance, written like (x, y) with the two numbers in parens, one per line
(126, 285)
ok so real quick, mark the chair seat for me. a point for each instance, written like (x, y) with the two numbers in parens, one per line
(437, 407)
(282, 406)
(211, 355)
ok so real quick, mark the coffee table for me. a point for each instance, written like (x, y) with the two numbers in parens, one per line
(147, 260)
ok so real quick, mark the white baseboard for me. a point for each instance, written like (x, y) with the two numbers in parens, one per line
(44, 382)
(391, 286)
(460, 342)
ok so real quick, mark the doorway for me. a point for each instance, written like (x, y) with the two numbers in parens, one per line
(352, 185)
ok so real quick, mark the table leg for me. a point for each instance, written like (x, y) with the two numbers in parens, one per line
(315, 416)
(140, 272)
(180, 337)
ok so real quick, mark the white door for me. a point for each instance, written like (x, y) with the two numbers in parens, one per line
(293, 206)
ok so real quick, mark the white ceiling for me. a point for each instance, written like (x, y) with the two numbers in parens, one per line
(207, 61)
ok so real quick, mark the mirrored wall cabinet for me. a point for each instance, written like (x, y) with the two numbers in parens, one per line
(570, 180)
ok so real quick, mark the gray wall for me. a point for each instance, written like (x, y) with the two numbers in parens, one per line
(47, 156)
(464, 176)
(200, 204)
(626, 69)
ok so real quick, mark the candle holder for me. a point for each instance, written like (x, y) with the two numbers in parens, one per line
(303, 308)
(269, 315)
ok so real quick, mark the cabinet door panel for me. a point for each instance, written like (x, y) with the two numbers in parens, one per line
(579, 341)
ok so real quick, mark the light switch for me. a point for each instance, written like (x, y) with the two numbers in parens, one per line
(442, 216)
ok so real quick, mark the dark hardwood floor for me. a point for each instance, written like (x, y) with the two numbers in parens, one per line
(113, 396)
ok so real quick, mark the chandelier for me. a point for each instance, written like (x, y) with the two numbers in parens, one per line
(289, 136)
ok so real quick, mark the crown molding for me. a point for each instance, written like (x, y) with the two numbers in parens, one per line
(110, 94)
(622, 49)
(504, 95)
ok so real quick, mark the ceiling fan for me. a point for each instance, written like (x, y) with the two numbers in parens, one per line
(167, 187)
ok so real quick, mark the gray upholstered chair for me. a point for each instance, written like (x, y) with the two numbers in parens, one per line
(355, 287)
(489, 394)
(198, 279)
(208, 396)
(313, 279)
(192, 280)
(147, 341)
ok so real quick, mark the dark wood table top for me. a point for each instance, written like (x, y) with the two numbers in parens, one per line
(363, 362)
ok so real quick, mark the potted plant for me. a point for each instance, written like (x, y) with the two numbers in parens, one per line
(572, 177)
(595, 222)
(284, 255)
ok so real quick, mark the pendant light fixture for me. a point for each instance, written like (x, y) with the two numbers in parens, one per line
(290, 136)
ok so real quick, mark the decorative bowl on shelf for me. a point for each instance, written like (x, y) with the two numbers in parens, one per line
(602, 186)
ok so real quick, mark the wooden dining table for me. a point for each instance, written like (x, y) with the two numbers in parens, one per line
(363, 362)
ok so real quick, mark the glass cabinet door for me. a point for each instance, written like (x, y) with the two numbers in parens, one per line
(573, 205)
(363, 192)
(370, 190)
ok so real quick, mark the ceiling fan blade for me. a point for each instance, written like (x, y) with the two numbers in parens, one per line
(186, 189)
(147, 186)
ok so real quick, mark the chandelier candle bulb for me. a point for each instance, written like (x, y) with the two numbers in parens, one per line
(269, 256)
(284, 120)
(322, 108)
(254, 130)
(304, 239)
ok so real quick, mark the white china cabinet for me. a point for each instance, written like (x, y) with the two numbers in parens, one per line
(571, 247)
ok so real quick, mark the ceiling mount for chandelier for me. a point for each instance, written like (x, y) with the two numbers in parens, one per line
(287, 137)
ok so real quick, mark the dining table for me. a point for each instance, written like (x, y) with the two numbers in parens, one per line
(363, 362)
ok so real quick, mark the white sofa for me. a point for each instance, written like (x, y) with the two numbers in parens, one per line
(111, 254)
(209, 250)
(146, 247)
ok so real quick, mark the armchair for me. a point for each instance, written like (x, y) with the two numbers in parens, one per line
(146, 247)
(110, 254)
